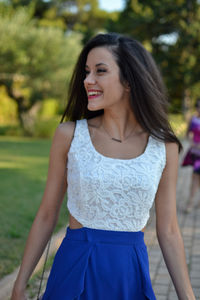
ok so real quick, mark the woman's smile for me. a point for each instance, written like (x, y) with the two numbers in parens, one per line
(93, 93)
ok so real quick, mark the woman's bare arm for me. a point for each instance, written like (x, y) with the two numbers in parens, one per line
(48, 211)
(168, 231)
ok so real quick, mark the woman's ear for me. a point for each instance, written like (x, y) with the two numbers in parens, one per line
(127, 86)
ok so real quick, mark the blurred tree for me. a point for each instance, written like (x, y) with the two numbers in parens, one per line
(171, 30)
(83, 16)
(35, 62)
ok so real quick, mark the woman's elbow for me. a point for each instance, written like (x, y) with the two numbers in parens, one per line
(167, 231)
(47, 215)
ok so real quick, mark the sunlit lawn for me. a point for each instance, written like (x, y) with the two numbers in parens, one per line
(23, 170)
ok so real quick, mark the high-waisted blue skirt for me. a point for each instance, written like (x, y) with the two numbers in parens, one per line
(94, 264)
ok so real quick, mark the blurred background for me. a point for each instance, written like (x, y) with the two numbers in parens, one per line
(39, 44)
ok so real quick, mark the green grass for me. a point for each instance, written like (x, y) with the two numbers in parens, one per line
(23, 170)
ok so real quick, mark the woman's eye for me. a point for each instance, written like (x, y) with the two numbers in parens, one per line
(101, 71)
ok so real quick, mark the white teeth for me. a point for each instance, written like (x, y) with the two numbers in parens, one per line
(93, 93)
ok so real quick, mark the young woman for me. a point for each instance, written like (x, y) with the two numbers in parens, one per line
(120, 154)
(192, 157)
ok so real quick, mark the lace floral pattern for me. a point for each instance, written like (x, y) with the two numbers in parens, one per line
(109, 193)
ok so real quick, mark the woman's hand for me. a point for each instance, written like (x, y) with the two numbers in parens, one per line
(18, 292)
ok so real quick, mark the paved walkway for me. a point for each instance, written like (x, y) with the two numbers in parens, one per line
(190, 227)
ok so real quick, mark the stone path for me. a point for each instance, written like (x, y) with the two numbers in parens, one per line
(190, 228)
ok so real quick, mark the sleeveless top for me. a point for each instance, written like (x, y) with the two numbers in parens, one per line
(110, 193)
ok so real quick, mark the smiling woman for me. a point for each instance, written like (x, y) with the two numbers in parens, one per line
(119, 154)
(102, 73)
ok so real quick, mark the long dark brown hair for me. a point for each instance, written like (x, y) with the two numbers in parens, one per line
(137, 67)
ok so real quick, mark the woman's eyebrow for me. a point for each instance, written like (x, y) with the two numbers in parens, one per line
(97, 65)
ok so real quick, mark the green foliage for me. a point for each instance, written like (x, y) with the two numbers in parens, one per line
(36, 62)
(49, 108)
(179, 125)
(50, 18)
(171, 29)
(8, 108)
(83, 16)
(39, 56)
(42, 128)
(11, 130)
(45, 128)
(47, 119)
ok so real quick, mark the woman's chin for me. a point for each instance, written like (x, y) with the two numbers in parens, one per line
(93, 107)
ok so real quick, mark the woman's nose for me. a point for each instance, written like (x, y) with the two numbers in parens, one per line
(90, 79)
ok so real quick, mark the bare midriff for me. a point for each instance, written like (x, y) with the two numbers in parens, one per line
(74, 224)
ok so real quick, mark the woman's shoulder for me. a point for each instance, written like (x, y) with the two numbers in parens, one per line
(171, 147)
(66, 128)
(172, 152)
(64, 134)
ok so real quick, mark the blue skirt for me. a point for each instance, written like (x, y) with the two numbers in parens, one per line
(94, 264)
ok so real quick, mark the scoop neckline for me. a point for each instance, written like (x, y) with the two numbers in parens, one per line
(113, 158)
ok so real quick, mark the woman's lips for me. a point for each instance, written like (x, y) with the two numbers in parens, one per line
(92, 94)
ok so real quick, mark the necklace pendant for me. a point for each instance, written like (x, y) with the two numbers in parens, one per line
(116, 140)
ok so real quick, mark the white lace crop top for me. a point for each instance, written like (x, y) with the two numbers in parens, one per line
(108, 193)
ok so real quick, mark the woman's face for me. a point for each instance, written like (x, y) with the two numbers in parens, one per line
(102, 83)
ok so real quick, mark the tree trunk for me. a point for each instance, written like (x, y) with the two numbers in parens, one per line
(186, 105)
(27, 117)
(26, 114)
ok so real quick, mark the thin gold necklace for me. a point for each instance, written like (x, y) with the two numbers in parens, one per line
(117, 140)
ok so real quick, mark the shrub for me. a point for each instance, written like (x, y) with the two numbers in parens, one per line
(8, 108)
(49, 108)
(45, 128)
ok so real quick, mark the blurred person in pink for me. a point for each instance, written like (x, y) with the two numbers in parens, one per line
(192, 157)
